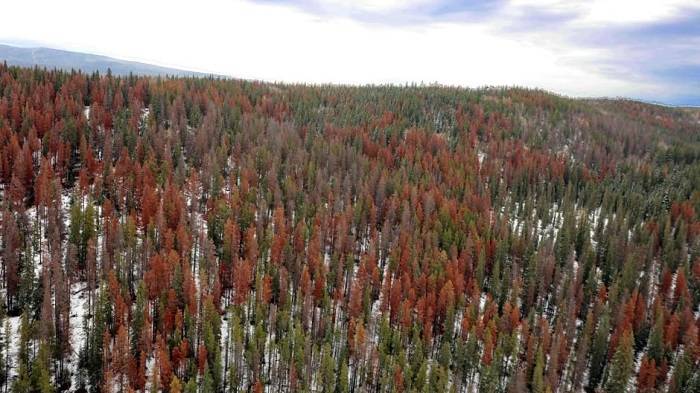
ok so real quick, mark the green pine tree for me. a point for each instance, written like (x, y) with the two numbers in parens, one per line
(191, 386)
(622, 365)
(599, 350)
(490, 373)
(656, 339)
(343, 376)
(208, 382)
(538, 373)
(23, 383)
(212, 329)
(40, 374)
(681, 380)
(438, 379)
(328, 370)
(91, 354)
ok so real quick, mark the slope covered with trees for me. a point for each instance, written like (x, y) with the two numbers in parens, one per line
(204, 235)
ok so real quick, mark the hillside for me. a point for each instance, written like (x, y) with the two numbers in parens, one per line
(88, 63)
(203, 235)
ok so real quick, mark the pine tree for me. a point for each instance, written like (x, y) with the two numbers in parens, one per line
(537, 385)
(191, 386)
(175, 385)
(212, 329)
(23, 383)
(28, 281)
(472, 355)
(599, 350)
(420, 382)
(489, 378)
(87, 233)
(681, 380)
(656, 343)
(75, 228)
(207, 382)
(327, 370)
(622, 365)
(343, 378)
(438, 380)
(139, 317)
(40, 374)
(582, 352)
(10, 253)
(91, 356)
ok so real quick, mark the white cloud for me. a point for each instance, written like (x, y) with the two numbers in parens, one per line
(636, 11)
(370, 5)
(597, 12)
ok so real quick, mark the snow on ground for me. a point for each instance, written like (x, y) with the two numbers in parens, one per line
(12, 345)
(145, 112)
(543, 230)
(593, 218)
(78, 337)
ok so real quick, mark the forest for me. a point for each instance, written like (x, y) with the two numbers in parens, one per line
(207, 235)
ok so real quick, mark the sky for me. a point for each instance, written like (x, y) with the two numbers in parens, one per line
(642, 49)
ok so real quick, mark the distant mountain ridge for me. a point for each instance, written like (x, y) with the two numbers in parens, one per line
(88, 63)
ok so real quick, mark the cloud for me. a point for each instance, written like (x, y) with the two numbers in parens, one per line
(370, 5)
(580, 48)
(616, 12)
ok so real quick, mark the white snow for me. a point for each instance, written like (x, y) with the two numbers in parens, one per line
(78, 336)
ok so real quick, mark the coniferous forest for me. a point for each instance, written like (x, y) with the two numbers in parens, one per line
(207, 235)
